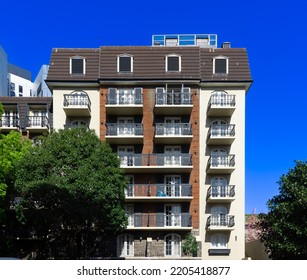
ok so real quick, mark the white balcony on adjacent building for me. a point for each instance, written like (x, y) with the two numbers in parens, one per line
(77, 104)
(38, 124)
(221, 164)
(220, 222)
(8, 123)
(127, 133)
(221, 193)
(164, 162)
(167, 133)
(221, 104)
(159, 192)
(221, 134)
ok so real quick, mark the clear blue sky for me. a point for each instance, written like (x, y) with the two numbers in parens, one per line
(273, 32)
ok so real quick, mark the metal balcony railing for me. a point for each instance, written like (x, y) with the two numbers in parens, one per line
(216, 191)
(176, 129)
(9, 122)
(159, 190)
(224, 100)
(160, 220)
(37, 121)
(133, 129)
(77, 100)
(173, 98)
(155, 159)
(222, 130)
(222, 161)
(124, 98)
(221, 220)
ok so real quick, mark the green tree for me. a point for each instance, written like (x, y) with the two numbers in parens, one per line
(284, 228)
(72, 190)
(189, 247)
(12, 147)
(1, 109)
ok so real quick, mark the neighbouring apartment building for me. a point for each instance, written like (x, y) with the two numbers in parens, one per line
(174, 112)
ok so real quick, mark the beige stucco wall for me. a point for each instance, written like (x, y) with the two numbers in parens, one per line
(236, 234)
(59, 115)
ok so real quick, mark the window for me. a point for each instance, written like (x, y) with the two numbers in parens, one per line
(124, 63)
(20, 89)
(172, 245)
(77, 65)
(173, 63)
(125, 245)
(220, 65)
(219, 241)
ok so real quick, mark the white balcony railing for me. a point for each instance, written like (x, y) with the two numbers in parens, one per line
(133, 129)
(177, 129)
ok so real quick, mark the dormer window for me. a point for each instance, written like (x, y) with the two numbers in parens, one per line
(77, 65)
(173, 63)
(220, 65)
(125, 63)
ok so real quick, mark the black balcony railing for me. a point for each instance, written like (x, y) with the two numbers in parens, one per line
(160, 220)
(133, 129)
(176, 129)
(159, 190)
(173, 98)
(216, 191)
(222, 130)
(155, 159)
(221, 220)
(222, 161)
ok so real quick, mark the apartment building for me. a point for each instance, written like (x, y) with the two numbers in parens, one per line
(174, 112)
(32, 116)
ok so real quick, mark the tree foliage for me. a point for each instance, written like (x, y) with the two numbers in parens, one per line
(284, 228)
(1, 109)
(189, 247)
(12, 148)
(72, 191)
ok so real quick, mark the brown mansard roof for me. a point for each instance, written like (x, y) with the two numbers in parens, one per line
(149, 64)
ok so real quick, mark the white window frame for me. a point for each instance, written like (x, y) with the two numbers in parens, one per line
(70, 65)
(220, 57)
(166, 62)
(131, 63)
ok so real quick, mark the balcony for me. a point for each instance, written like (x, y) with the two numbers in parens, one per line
(159, 192)
(220, 222)
(131, 133)
(221, 134)
(156, 162)
(173, 103)
(167, 133)
(77, 104)
(221, 193)
(221, 105)
(221, 164)
(37, 124)
(130, 99)
(159, 221)
(8, 123)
